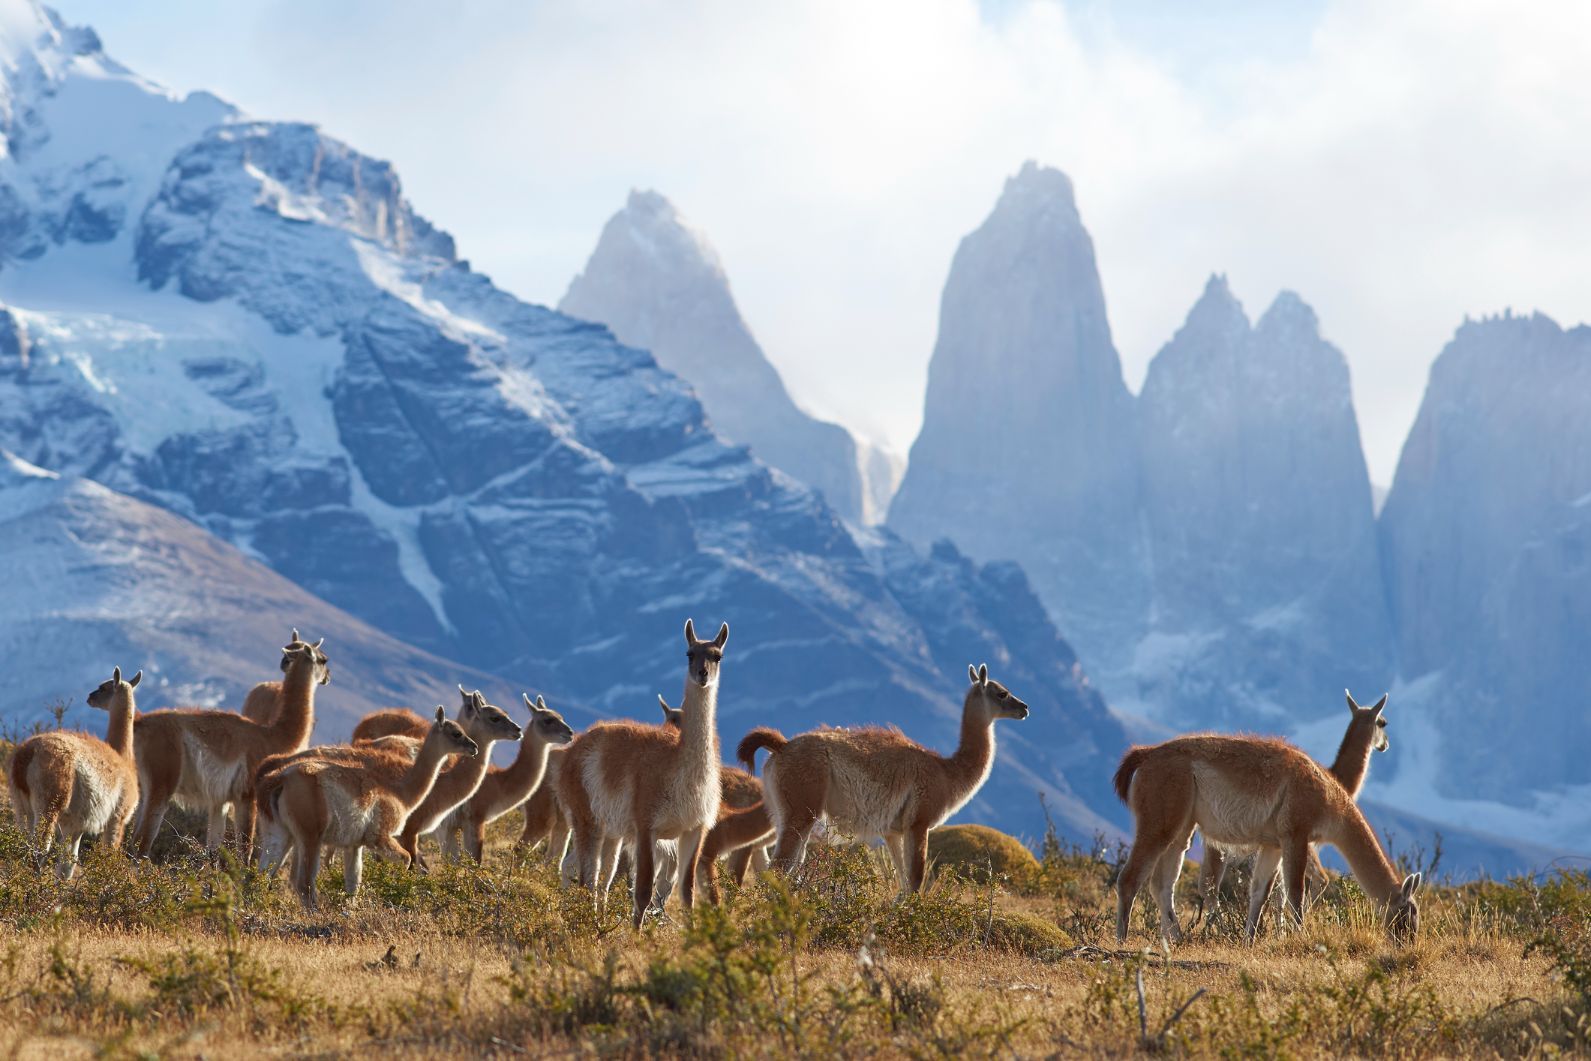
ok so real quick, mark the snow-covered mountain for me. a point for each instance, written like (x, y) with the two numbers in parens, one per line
(658, 284)
(261, 336)
(1028, 450)
(96, 579)
(1486, 539)
(1267, 582)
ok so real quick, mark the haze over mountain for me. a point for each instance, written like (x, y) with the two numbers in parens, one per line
(659, 285)
(245, 323)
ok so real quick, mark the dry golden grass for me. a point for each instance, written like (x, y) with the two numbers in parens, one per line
(190, 958)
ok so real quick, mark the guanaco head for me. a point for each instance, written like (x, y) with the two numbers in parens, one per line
(297, 647)
(547, 725)
(483, 721)
(1371, 718)
(703, 657)
(673, 717)
(992, 698)
(104, 695)
(1403, 910)
(451, 736)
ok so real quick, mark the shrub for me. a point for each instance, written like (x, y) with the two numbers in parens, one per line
(979, 853)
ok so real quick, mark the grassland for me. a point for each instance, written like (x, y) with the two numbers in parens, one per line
(191, 956)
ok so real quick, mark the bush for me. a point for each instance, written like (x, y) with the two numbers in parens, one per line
(979, 853)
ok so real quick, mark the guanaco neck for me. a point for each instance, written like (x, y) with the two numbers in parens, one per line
(1353, 757)
(525, 773)
(464, 777)
(1357, 842)
(420, 778)
(295, 718)
(698, 739)
(969, 766)
(120, 734)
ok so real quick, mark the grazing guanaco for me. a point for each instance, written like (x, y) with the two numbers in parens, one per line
(1367, 733)
(626, 782)
(1251, 792)
(486, 724)
(76, 785)
(505, 788)
(352, 805)
(878, 782)
(265, 699)
(206, 760)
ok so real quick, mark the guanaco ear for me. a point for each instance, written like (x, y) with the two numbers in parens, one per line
(972, 674)
(690, 633)
(319, 643)
(1411, 884)
(528, 701)
(1353, 705)
(294, 637)
(136, 679)
(723, 635)
(1378, 706)
(116, 675)
(541, 705)
(663, 704)
(440, 713)
(983, 674)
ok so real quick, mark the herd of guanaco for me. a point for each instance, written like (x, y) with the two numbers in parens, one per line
(659, 793)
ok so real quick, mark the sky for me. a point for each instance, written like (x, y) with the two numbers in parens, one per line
(1400, 165)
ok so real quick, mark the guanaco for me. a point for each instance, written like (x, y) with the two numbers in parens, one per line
(76, 785)
(1251, 792)
(352, 805)
(206, 760)
(873, 782)
(504, 788)
(626, 782)
(486, 724)
(1367, 733)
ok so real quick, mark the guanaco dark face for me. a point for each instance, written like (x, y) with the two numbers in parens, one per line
(703, 657)
(104, 695)
(295, 647)
(1403, 912)
(1372, 716)
(486, 720)
(547, 724)
(454, 740)
(673, 717)
(996, 699)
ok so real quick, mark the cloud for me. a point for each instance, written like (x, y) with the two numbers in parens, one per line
(1399, 165)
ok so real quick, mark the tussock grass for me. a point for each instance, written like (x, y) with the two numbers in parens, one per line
(189, 956)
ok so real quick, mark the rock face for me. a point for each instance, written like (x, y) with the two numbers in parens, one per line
(276, 347)
(658, 284)
(1486, 540)
(1028, 450)
(96, 579)
(1267, 583)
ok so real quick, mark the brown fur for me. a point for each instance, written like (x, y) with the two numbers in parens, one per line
(71, 784)
(359, 803)
(390, 722)
(874, 781)
(743, 829)
(485, 724)
(1366, 733)
(629, 783)
(209, 758)
(505, 788)
(1254, 792)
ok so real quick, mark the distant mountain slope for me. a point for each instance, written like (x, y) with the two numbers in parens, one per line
(96, 579)
(1027, 450)
(659, 285)
(267, 339)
